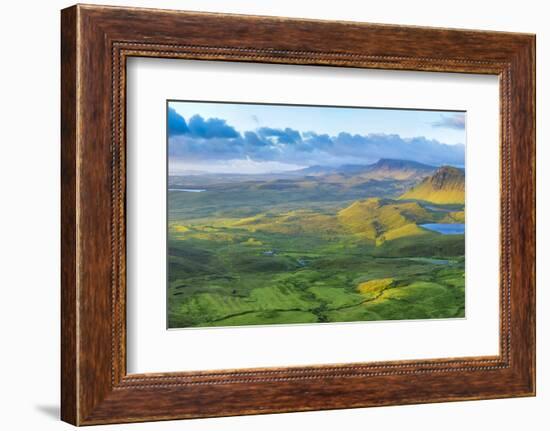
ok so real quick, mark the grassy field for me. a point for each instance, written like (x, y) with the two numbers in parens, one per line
(252, 255)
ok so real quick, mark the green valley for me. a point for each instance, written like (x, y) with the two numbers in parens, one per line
(318, 245)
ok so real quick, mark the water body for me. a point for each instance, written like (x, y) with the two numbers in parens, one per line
(445, 228)
(187, 190)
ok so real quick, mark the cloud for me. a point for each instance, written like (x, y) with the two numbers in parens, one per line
(176, 123)
(215, 142)
(456, 121)
(286, 136)
(198, 127)
(211, 128)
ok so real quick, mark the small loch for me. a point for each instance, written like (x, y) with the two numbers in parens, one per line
(445, 228)
(187, 190)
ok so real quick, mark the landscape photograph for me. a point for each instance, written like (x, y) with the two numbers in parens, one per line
(299, 214)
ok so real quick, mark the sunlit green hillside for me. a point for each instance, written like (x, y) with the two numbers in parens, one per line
(446, 186)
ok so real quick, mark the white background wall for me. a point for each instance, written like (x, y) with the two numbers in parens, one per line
(29, 215)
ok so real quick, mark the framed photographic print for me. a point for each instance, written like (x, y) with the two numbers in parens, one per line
(313, 223)
(266, 215)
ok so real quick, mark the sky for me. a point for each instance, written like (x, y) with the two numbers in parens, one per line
(260, 138)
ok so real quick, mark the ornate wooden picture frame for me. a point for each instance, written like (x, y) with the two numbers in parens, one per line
(96, 41)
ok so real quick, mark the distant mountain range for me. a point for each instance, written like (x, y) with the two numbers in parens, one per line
(383, 169)
(393, 178)
(445, 186)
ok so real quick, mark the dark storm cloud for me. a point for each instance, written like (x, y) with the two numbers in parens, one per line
(457, 121)
(213, 139)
